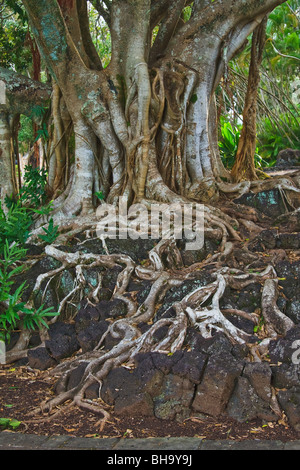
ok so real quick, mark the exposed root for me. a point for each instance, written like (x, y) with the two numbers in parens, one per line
(276, 321)
(199, 308)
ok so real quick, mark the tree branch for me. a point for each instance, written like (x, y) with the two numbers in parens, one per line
(53, 37)
(22, 93)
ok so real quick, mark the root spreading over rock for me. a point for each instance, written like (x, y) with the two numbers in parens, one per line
(199, 308)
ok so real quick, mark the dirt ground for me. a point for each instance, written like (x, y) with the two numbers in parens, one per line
(22, 390)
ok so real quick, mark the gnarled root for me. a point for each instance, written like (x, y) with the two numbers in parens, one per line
(199, 308)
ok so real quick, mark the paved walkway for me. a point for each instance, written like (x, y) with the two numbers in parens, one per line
(18, 441)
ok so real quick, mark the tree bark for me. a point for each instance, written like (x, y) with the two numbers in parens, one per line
(19, 95)
(153, 108)
(244, 166)
(7, 182)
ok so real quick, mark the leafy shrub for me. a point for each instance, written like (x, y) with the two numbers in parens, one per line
(12, 310)
(228, 145)
(229, 142)
(33, 191)
(14, 225)
(273, 139)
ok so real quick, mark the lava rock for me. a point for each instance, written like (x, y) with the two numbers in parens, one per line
(286, 375)
(87, 316)
(62, 341)
(40, 358)
(245, 405)
(289, 400)
(268, 202)
(191, 366)
(268, 238)
(287, 158)
(293, 309)
(89, 337)
(259, 375)
(119, 382)
(290, 241)
(124, 390)
(137, 404)
(217, 385)
(175, 398)
(283, 349)
(112, 308)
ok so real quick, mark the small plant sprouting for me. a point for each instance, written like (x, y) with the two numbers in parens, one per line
(51, 233)
(8, 423)
(99, 195)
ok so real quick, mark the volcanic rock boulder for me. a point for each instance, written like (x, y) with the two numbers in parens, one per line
(217, 385)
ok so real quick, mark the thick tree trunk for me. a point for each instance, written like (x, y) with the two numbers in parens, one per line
(7, 182)
(153, 108)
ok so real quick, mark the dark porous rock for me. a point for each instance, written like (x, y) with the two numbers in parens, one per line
(104, 294)
(287, 158)
(290, 241)
(250, 297)
(247, 299)
(76, 375)
(92, 392)
(268, 202)
(40, 358)
(163, 362)
(259, 375)
(291, 221)
(72, 380)
(245, 404)
(268, 238)
(149, 377)
(219, 344)
(175, 398)
(190, 257)
(119, 382)
(289, 401)
(284, 349)
(62, 341)
(89, 337)
(134, 405)
(196, 342)
(217, 384)
(175, 294)
(191, 366)
(240, 351)
(293, 309)
(289, 279)
(286, 375)
(112, 308)
(86, 316)
(137, 249)
(110, 277)
(123, 389)
(256, 246)
(33, 250)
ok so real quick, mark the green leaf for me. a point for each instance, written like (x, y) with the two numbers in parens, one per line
(99, 195)
(193, 98)
(4, 422)
(14, 424)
